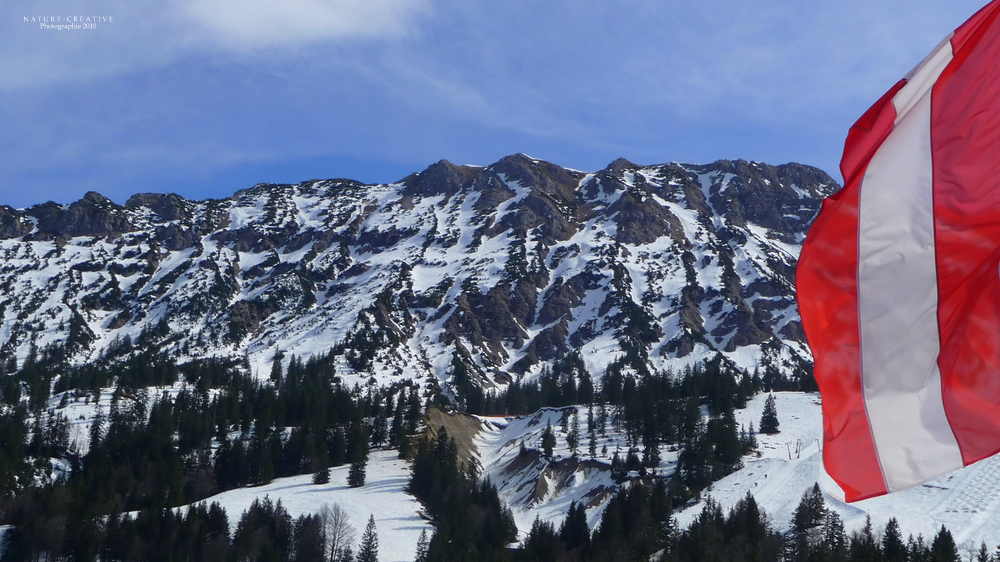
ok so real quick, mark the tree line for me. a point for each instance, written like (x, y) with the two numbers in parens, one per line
(225, 429)
(265, 532)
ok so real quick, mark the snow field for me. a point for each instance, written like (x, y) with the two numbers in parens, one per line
(397, 514)
(967, 501)
(566, 479)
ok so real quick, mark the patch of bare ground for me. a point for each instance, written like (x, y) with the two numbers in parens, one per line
(463, 428)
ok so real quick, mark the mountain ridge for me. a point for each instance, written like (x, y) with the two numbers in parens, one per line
(505, 267)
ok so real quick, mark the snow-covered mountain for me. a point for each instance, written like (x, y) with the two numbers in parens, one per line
(505, 267)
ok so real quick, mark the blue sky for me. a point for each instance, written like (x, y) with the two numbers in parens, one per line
(205, 97)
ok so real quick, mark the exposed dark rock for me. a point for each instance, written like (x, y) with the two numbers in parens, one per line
(544, 177)
(168, 207)
(90, 216)
(495, 193)
(174, 237)
(486, 318)
(245, 317)
(373, 241)
(243, 239)
(690, 315)
(765, 288)
(767, 195)
(793, 331)
(12, 223)
(563, 296)
(641, 220)
(442, 178)
(549, 344)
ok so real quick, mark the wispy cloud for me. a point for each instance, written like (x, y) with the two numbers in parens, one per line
(144, 34)
(255, 24)
(200, 88)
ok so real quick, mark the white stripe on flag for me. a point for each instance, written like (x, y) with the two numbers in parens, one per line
(921, 79)
(897, 295)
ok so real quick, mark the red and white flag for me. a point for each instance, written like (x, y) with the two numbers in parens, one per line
(899, 278)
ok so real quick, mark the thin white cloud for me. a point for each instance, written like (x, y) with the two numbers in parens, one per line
(143, 34)
(252, 24)
(424, 79)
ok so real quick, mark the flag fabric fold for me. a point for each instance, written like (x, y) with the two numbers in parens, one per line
(899, 278)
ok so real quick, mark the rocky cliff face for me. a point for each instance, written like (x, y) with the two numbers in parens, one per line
(503, 267)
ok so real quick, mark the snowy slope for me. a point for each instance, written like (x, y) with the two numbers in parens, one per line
(967, 502)
(535, 487)
(397, 514)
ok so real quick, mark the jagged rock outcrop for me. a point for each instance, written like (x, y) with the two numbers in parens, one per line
(94, 215)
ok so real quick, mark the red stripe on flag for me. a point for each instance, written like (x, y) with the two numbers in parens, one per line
(827, 287)
(828, 298)
(965, 137)
(976, 23)
(867, 135)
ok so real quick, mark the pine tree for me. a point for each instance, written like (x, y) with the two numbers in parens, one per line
(542, 542)
(276, 372)
(574, 531)
(632, 461)
(421, 555)
(356, 474)
(916, 550)
(769, 419)
(308, 543)
(548, 440)
(618, 472)
(751, 444)
(984, 553)
(573, 437)
(651, 450)
(809, 515)
(322, 476)
(893, 549)
(322, 463)
(863, 543)
(368, 551)
(396, 429)
(943, 549)
(602, 417)
(338, 447)
(834, 537)
(357, 446)
(811, 511)
(96, 431)
(413, 411)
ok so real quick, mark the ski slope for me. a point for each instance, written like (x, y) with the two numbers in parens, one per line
(966, 501)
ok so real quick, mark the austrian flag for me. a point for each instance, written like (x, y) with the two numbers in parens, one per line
(899, 278)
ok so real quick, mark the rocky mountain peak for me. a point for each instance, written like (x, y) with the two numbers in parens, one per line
(168, 207)
(441, 178)
(619, 167)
